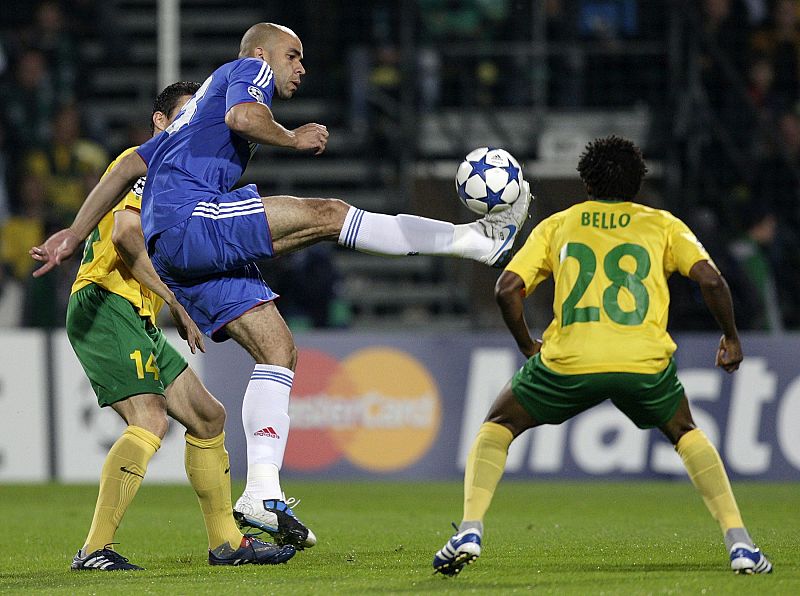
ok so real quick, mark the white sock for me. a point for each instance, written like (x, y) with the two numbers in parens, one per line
(263, 481)
(265, 417)
(401, 235)
(469, 241)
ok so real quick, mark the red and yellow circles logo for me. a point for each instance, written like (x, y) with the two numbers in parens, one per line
(379, 408)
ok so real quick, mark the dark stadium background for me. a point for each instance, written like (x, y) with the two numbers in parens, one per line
(709, 89)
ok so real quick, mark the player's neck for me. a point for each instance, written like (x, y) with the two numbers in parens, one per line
(606, 200)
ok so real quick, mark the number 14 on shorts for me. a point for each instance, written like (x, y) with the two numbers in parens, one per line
(150, 366)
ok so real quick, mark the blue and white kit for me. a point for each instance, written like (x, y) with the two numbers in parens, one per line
(203, 238)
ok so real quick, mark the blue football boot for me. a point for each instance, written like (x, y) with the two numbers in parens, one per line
(251, 551)
(462, 549)
(748, 560)
(103, 559)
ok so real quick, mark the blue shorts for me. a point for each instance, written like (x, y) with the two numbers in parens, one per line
(208, 259)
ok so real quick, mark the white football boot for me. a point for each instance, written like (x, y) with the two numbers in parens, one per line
(275, 517)
(502, 227)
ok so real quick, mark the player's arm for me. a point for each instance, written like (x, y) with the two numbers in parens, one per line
(717, 296)
(254, 122)
(129, 242)
(107, 193)
(509, 291)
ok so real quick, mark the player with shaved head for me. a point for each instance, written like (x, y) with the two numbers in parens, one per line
(111, 325)
(204, 239)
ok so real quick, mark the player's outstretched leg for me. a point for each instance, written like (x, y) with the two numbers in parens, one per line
(275, 517)
(103, 559)
(488, 240)
(463, 548)
(250, 551)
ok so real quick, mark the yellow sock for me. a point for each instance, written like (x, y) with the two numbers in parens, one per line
(122, 474)
(208, 470)
(708, 475)
(485, 464)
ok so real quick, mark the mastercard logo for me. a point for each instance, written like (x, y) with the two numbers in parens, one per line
(379, 409)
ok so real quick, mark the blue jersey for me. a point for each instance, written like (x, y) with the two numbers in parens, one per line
(198, 156)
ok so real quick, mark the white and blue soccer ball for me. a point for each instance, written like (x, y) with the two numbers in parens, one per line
(488, 180)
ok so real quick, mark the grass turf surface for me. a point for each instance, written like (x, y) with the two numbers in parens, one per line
(379, 537)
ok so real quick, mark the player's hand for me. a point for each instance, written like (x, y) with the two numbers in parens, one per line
(535, 349)
(311, 136)
(54, 250)
(187, 328)
(729, 354)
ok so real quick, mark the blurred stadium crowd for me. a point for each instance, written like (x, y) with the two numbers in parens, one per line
(721, 79)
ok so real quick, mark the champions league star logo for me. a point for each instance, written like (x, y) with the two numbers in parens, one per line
(138, 186)
(256, 94)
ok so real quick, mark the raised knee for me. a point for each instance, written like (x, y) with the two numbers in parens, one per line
(332, 212)
(336, 207)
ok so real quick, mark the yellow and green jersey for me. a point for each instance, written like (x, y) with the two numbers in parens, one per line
(101, 265)
(610, 261)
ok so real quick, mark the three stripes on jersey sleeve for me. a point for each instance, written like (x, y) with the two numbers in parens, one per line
(264, 76)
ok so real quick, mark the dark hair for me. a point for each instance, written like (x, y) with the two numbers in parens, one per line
(167, 100)
(612, 168)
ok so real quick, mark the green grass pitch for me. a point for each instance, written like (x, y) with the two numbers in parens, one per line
(379, 537)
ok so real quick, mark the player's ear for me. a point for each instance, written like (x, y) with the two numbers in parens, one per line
(160, 120)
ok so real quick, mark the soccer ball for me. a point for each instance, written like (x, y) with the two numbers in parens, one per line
(488, 180)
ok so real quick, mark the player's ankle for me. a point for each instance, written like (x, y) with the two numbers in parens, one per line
(471, 525)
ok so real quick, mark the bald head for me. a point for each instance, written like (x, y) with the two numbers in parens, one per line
(279, 47)
(264, 36)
